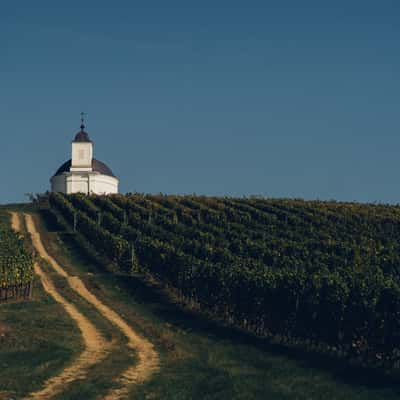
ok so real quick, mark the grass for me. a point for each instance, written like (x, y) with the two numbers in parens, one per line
(202, 360)
(37, 339)
(99, 379)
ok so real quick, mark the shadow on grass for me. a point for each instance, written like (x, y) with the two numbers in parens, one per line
(160, 304)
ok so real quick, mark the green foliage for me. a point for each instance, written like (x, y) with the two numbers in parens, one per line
(114, 247)
(16, 263)
(322, 272)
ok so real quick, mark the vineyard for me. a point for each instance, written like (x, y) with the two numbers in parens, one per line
(319, 273)
(16, 265)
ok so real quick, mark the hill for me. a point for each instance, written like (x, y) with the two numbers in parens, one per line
(45, 351)
(325, 274)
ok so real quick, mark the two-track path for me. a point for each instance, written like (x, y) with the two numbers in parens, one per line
(95, 346)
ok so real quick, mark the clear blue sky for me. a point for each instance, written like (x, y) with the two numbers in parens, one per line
(279, 98)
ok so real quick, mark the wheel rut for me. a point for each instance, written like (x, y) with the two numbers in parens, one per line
(96, 348)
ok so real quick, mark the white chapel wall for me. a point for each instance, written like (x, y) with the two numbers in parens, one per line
(78, 183)
(103, 184)
(82, 155)
(84, 183)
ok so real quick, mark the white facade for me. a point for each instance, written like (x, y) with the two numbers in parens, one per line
(82, 156)
(83, 173)
(85, 182)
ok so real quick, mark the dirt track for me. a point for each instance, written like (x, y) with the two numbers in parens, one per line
(95, 346)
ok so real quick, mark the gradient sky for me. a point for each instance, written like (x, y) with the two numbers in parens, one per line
(275, 98)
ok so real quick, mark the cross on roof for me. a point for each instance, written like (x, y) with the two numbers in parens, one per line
(83, 120)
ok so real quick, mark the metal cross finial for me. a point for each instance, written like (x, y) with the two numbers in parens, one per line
(82, 120)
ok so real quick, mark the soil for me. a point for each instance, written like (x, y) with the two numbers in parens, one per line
(95, 346)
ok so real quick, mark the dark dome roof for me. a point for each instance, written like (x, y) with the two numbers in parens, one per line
(82, 136)
(97, 166)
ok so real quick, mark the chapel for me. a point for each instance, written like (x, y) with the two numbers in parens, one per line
(83, 173)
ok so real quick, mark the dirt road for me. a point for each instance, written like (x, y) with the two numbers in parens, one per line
(95, 346)
(148, 359)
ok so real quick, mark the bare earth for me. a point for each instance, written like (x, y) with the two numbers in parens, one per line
(96, 348)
